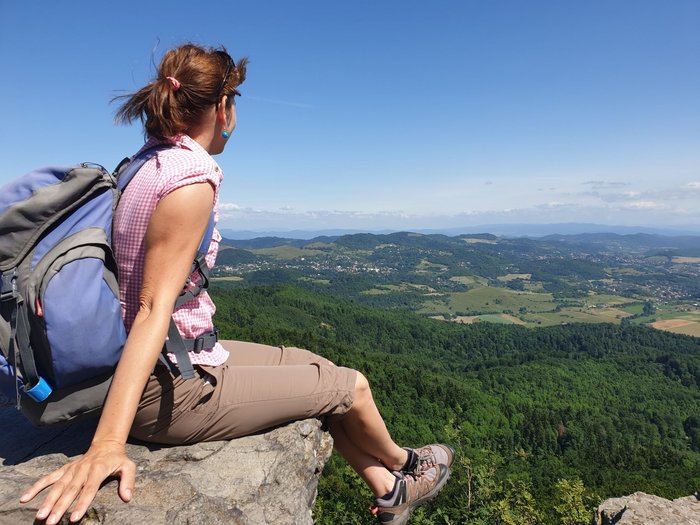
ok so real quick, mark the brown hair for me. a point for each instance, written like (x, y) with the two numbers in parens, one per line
(169, 106)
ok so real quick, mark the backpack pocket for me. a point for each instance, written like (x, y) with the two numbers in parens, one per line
(73, 298)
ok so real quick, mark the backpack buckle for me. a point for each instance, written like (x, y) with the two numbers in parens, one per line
(8, 290)
(205, 341)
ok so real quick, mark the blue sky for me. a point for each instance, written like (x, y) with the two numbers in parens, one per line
(388, 114)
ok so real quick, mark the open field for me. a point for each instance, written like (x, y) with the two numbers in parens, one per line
(488, 318)
(633, 309)
(498, 319)
(598, 299)
(315, 281)
(384, 289)
(539, 308)
(512, 276)
(490, 304)
(427, 266)
(679, 326)
(686, 260)
(513, 319)
(472, 240)
(610, 315)
(625, 271)
(574, 315)
(466, 319)
(688, 323)
(228, 278)
(489, 300)
(494, 300)
(469, 280)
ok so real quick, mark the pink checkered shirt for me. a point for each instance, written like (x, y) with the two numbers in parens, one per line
(168, 170)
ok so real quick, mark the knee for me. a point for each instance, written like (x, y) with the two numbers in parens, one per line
(363, 394)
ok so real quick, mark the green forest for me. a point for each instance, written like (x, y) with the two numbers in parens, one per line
(547, 422)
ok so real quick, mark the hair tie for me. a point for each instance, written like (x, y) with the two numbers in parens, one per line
(175, 82)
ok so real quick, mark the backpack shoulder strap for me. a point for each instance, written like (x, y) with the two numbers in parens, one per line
(129, 166)
(175, 344)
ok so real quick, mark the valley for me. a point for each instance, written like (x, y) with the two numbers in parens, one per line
(554, 280)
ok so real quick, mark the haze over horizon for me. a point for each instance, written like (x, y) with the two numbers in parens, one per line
(499, 230)
(389, 115)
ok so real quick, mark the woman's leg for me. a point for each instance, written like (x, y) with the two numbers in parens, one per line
(261, 386)
(364, 426)
(243, 353)
(361, 424)
(370, 469)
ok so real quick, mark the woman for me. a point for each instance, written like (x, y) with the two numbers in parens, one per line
(189, 110)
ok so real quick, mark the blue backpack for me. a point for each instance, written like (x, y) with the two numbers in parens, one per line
(61, 329)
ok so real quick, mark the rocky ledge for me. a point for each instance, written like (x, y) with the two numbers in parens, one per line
(643, 509)
(266, 478)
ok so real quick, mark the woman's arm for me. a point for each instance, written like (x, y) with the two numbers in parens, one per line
(174, 233)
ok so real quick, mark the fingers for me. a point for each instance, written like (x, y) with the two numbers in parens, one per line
(41, 484)
(58, 500)
(74, 482)
(85, 494)
(127, 479)
(79, 482)
(126, 472)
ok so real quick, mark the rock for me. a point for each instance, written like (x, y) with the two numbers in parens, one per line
(643, 509)
(266, 478)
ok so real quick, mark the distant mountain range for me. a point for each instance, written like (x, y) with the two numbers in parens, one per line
(501, 230)
(639, 243)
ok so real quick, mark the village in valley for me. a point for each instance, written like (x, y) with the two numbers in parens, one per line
(638, 279)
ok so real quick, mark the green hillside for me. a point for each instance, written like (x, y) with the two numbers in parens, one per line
(557, 280)
(547, 421)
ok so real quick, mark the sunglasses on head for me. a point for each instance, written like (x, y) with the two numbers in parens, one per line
(230, 64)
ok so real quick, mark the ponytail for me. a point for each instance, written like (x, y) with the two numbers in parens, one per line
(190, 80)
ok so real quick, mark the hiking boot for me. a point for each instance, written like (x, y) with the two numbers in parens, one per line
(421, 459)
(409, 492)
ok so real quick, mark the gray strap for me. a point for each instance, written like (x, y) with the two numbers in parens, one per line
(176, 346)
(163, 358)
(13, 354)
(203, 342)
(30, 375)
(199, 266)
(8, 285)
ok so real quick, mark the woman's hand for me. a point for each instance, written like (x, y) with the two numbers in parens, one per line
(80, 480)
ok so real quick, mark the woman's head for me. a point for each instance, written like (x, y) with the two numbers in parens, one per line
(191, 80)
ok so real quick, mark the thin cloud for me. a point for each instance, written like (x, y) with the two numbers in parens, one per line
(289, 103)
(605, 185)
(630, 212)
(644, 205)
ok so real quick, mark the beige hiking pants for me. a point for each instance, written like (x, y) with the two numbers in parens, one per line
(258, 387)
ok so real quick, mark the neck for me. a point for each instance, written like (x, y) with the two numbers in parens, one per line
(208, 134)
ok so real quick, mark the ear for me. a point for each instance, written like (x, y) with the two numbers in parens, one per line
(221, 110)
